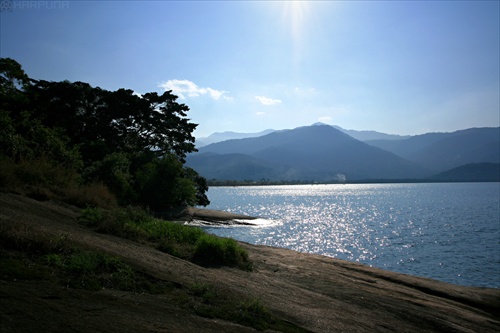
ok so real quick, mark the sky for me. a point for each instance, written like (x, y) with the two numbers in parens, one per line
(397, 67)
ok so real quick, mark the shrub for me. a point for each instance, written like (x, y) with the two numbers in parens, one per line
(176, 239)
(94, 194)
(253, 313)
(43, 180)
(213, 251)
(92, 270)
(101, 221)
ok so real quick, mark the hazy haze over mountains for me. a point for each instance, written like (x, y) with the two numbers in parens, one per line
(223, 136)
(359, 135)
(442, 151)
(321, 152)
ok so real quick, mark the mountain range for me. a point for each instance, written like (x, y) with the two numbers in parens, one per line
(223, 136)
(325, 153)
(360, 135)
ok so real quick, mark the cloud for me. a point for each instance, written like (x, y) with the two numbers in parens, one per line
(267, 100)
(260, 113)
(325, 119)
(183, 88)
(304, 92)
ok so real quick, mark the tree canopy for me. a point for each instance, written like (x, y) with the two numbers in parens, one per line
(135, 144)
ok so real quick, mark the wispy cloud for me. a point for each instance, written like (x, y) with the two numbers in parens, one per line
(183, 88)
(267, 100)
(325, 119)
(304, 92)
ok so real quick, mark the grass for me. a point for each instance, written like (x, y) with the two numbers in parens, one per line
(41, 180)
(30, 256)
(213, 251)
(183, 241)
(25, 255)
(207, 301)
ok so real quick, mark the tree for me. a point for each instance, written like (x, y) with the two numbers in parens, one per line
(22, 135)
(201, 186)
(12, 78)
(162, 184)
(134, 144)
(119, 120)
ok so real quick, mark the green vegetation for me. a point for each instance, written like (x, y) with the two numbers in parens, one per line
(28, 256)
(42, 180)
(61, 138)
(103, 150)
(213, 251)
(208, 302)
(182, 241)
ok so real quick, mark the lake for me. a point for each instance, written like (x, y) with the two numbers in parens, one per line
(445, 231)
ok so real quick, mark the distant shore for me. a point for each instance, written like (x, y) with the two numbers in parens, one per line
(223, 183)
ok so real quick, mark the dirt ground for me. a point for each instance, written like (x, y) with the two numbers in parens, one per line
(318, 293)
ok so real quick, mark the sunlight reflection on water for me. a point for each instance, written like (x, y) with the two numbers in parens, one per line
(444, 231)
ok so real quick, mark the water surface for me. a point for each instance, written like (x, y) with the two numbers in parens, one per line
(445, 231)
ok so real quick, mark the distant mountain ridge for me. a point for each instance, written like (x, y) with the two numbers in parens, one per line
(316, 153)
(371, 135)
(321, 152)
(359, 135)
(474, 172)
(223, 136)
(443, 151)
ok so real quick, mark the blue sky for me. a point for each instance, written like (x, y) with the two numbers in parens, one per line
(399, 67)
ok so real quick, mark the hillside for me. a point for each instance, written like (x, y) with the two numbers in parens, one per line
(443, 151)
(223, 136)
(358, 135)
(320, 152)
(474, 172)
(315, 153)
(311, 293)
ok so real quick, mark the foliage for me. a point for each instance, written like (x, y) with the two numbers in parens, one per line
(41, 179)
(201, 186)
(41, 257)
(134, 144)
(31, 256)
(162, 184)
(213, 251)
(174, 238)
(209, 302)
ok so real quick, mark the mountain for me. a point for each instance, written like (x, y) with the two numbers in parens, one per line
(474, 172)
(316, 153)
(444, 151)
(359, 135)
(231, 167)
(371, 135)
(218, 137)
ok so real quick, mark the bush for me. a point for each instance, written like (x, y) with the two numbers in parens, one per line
(176, 239)
(94, 195)
(213, 251)
(161, 184)
(253, 313)
(92, 270)
(43, 180)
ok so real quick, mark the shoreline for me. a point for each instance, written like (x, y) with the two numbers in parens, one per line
(217, 216)
(317, 293)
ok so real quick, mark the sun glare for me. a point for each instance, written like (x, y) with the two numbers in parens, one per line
(295, 14)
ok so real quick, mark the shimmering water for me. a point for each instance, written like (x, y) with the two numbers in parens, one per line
(449, 232)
